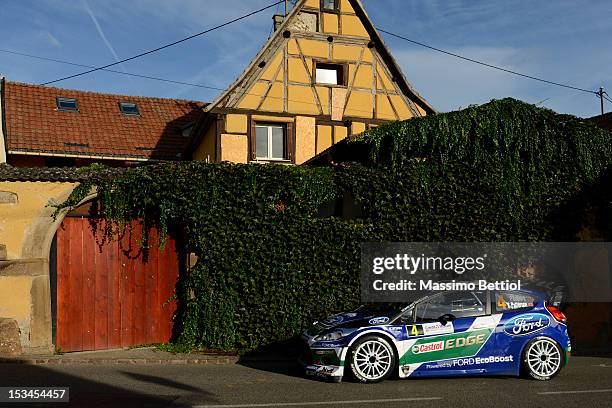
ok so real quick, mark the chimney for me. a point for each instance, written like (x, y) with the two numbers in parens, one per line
(278, 21)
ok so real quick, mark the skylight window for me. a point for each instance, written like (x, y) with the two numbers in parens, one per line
(128, 108)
(67, 104)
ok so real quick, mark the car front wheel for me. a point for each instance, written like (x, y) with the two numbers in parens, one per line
(542, 359)
(372, 359)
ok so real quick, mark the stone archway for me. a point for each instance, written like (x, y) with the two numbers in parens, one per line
(34, 262)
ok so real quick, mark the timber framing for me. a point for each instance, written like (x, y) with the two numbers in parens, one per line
(258, 89)
(321, 119)
(279, 40)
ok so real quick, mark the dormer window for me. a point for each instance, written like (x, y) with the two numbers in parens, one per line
(128, 108)
(186, 132)
(67, 104)
(329, 5)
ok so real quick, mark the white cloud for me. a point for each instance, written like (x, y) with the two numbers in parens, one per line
(99, 29)
(50, 38)
(104, 39)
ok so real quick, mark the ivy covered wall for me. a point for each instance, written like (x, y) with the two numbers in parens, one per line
(269, 263)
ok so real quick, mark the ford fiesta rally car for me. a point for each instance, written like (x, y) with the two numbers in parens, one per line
(444, 334)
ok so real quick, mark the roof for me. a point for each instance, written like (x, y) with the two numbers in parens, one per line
(66, 174)
(381, 47)
(603, 121)
(98, 129)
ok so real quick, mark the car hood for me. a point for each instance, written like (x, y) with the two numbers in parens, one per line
(348, 320)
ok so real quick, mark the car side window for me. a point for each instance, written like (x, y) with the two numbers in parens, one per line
(505, 301)
(457, 304)
(406, 318)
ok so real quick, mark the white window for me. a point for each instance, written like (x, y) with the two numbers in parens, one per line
(329, 74)
(270, 141)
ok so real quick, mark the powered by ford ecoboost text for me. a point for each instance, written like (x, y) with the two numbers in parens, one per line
(444, 334)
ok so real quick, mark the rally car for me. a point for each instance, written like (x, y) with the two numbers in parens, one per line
(443, 334)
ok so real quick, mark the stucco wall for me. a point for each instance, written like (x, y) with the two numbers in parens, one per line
(234, 148)
(27, 229)
(17, 219)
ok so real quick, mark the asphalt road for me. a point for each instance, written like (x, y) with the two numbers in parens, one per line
(586, 382)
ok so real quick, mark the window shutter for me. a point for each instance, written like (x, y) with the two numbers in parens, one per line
(290, 142)
(252, 141)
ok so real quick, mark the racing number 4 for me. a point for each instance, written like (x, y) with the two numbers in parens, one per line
(416, 330)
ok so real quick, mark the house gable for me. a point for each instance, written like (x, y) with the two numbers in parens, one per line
(283, 76)
(324, 74)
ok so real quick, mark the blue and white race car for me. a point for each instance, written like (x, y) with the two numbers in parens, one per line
(443, 334)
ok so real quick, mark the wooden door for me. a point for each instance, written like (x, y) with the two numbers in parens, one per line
(113, 295)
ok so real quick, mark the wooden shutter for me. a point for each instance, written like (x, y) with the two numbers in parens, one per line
(252, 141)
(290, 142)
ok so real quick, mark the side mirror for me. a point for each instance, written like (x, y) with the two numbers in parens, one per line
(445, 318)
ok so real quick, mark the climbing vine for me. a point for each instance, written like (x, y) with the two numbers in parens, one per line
(270, 261)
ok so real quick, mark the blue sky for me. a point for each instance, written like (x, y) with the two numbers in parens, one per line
(562, 40)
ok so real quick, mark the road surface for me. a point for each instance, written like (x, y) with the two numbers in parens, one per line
(586, 382)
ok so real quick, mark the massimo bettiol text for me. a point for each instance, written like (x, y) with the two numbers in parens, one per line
(406, 271)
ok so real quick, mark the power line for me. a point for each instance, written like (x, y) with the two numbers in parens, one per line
(154, 78)
(110, 70)
(166, 45)
(484, 63)
(58, 61)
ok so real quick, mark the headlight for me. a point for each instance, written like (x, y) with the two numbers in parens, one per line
(333, 336)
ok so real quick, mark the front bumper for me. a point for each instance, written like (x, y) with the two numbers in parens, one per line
(331, 373)
(324, 363)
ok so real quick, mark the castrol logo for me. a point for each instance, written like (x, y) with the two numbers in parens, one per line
(428, 347)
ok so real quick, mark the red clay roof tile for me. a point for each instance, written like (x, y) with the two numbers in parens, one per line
(34, 124)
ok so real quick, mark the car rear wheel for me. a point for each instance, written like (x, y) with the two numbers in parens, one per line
(542, 359)
(372, 359)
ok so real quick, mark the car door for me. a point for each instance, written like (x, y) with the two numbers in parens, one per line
(448, 331)
(509, 306)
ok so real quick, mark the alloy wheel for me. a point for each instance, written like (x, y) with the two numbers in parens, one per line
(372, 359)
(543, 358)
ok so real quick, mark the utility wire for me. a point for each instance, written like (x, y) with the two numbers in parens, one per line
(542, 101)
(484, 63)
(58, 61)
(166, 45)
(110, 70)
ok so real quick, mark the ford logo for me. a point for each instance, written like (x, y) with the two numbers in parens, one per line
(379, 320)
(524, 324)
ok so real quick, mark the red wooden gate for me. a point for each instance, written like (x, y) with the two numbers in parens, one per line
(112, 296)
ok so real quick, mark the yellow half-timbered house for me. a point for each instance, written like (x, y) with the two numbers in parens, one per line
(323, 75)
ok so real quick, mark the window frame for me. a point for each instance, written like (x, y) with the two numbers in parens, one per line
(493, 302)
(336, 8)
(342, 70)
(121, 105)
(60, 99)
(288, 148)
(487, 304)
